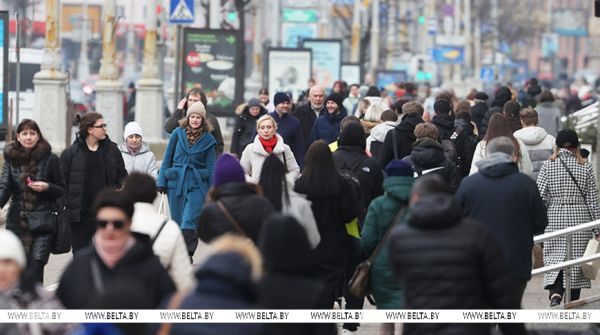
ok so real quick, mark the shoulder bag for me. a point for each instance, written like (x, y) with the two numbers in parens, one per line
(359, 284)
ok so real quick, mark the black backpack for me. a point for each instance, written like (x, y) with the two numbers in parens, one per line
(350, 174)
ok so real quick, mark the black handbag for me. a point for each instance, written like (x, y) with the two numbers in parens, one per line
(61, 243)
(41, 221)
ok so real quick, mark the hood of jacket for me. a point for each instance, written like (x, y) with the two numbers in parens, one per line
(531, 135)
(427, 153)
(379, 132)
(17, 155)
(234, 189)
(435, 211)
(462, 124)
(246, 113)
(443, 121)
(398, 187)
(409, 122)
(336, 117)
(226, 273)
(143, 149)
(497, 165)
(141, 250)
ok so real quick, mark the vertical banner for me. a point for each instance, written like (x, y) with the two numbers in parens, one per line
(4, 44)
(351, 73)
(212, 62)
(326, 60)
(288, 70)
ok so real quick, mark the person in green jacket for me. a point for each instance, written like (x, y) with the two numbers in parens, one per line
(397, 185)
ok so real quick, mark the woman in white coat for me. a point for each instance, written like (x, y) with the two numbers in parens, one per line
(280, 193)
(499, 126)
(265, 143)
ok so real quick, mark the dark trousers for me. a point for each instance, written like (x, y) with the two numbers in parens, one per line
(352, 302)
(81, 235)
(190, 237)
(559, 288)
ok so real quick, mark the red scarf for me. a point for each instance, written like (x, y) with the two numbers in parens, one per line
(268, 144)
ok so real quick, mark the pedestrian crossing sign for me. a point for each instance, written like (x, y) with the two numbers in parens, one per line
(181, 11)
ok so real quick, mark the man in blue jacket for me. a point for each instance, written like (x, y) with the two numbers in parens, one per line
(327, 126)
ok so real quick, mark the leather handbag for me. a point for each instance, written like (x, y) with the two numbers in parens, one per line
(359, 284)
(41, 221)
(62, 234)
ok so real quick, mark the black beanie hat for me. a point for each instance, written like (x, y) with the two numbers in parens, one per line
(337, 98)
(567, 138)
(353, 134)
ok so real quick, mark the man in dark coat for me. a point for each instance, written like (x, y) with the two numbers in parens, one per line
(405, 137)
(439, 239)
(327, 126)
(428, 157)
(195, 95)
(117, 255)
(479, 109)
(508, 203)
(502, 96)
(239, 198)
(308, 113)
(443, 119)
(245, 126)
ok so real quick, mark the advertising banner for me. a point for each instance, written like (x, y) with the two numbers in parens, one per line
(326, 60)
(570, 22)
(288, 70)
(449, 54)
(351, 73)
(293, 33)
(212, 62)
(386, 78)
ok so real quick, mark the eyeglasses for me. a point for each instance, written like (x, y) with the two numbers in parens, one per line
(101, 126)
(117, 224)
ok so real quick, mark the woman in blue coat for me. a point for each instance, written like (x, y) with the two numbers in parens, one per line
(187, 170)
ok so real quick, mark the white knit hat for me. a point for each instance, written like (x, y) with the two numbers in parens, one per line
(196, 108)
(11, 248)
(132, 128)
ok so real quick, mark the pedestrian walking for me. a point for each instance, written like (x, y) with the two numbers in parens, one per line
(479, 109)
(512, 111)
(548, 113)
(32, 180)
(232, 206)
(117, 256)
(280, 192)
(327, 127)
(400, 145)
(167, 240)
(465, 141)
(136, 153)
(265, 143)
(245, 126)
(503, 95)
(92, 163)
(538, 143)
(389, 120)
(187, 170)
(568, 187)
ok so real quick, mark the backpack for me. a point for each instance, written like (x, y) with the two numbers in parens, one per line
(449, 149)
(350, 174)
(468, 145)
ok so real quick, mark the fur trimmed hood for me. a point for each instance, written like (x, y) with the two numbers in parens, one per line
(17, 155)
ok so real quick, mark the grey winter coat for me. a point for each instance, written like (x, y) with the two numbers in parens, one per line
(567, 208)
(539, 146)
(549, 117)
(143, 161)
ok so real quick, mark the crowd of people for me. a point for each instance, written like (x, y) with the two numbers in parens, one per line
(307, 191)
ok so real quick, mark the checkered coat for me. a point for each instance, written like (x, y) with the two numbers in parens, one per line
(566, 208)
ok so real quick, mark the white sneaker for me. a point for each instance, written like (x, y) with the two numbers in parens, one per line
(348, 332)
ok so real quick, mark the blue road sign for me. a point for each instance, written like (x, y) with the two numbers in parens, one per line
(487, 74)
(181, 11)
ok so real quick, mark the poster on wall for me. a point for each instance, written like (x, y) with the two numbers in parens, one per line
(326, 60)
(351, 73)
(212, 61)
(288, 70)
(4, 43)
(385, 78)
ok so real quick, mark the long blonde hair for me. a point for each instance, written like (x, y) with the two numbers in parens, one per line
(577, 153)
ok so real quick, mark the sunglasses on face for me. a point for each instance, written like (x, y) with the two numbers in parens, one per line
(103, 126)
(117, 224)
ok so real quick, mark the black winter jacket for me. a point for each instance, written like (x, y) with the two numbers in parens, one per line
(509, 205)
(73, 161)
(139, 267)
(41, 165)
(429, 154)
(368, 172)
(243, 203)
(445, 125)
(465, 142)
(245, 124)
(477, 114)
(307, 118)
(173, 122)
(438, 242)
(405, 137)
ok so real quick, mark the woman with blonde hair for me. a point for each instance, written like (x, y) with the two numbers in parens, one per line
(568, 187)
(265, 143)
(187, 170)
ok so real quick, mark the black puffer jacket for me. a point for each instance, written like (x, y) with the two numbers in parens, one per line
(429, 154)
(405, 137)
(368, 172)
(444, 124)
(438, 239)
(41, 165)
(245, 206)
(245, 124)
(502, 96)
(478, 113)
(465, 142)
(73, 161)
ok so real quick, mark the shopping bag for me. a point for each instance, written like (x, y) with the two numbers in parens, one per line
(590, 269)
(163, 205)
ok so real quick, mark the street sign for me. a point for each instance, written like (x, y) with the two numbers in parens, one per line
(300, 15)
(181, 11)
(487, 74)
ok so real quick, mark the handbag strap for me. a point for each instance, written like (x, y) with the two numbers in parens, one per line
(158, 233)
(387, 233)
(576, 184)
(230, 218)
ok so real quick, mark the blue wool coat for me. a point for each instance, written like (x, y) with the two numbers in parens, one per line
(187, 175)
(327, 127)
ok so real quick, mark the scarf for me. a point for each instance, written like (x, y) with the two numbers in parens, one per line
(269, 145)
(192, 135)
(112, 251)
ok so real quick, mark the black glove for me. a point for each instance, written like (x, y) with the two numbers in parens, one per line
(162, 190)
